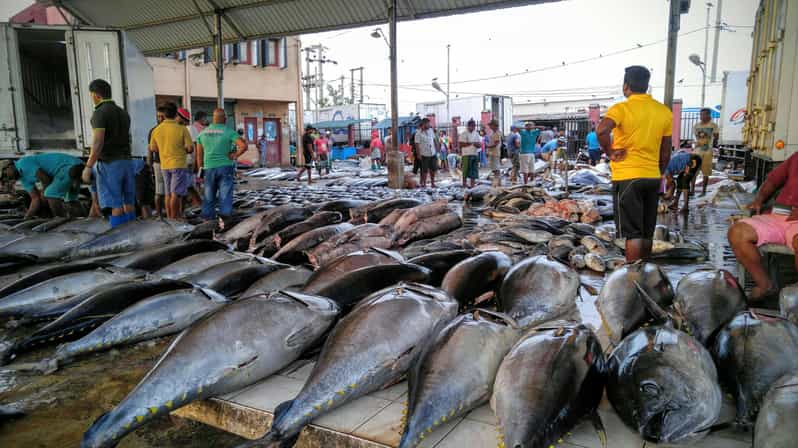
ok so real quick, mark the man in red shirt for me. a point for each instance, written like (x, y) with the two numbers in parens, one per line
(322, 149)
(779, 225)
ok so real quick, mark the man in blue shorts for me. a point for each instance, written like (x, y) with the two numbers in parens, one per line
(110, 152)
(53, 177)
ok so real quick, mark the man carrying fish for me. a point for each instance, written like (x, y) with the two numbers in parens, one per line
(110, 152)
(53, 177)
(779, 225)
(218, 148)
(639, 151)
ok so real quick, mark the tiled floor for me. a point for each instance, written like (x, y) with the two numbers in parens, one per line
(378, 418)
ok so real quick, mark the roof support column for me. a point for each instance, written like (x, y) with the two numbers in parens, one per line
(219, 61)
(395, 159)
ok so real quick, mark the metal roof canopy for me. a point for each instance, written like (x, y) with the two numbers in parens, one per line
(159, 26)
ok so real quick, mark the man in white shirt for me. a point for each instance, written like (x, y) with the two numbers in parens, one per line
(494, 148)
(470, 142)
(425, 147)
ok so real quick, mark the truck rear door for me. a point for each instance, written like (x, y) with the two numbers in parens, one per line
(92, 55)
(13, 129)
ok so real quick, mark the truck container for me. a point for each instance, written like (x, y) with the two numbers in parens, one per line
(45, 104)
(770, 129)
(732, 109)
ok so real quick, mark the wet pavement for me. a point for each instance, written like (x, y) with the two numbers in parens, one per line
(61, 406)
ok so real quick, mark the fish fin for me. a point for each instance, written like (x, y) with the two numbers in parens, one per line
(590, 289)
(301, 337)
(652, 306)
(598, 425)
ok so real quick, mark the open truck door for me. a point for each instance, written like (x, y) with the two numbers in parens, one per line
(13, 128)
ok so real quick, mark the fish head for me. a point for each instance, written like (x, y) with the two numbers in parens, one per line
(670, 408)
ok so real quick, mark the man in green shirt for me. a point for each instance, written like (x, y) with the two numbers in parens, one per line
(218, 147)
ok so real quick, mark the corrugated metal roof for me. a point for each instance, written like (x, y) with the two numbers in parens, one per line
(159, 26)
(337, 124)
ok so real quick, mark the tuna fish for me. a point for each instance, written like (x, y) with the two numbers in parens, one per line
(411, 216)
(56, 295)
(44, 272)
(435, 397)
(539, 289)
(358, 238)
(475, 276)
(49, 245)
(350, 288)
(92, 309)
(370, 348)
(283, 279)
(85, 225)
(239, 235)
(775, 426)
(160, 315)
(428, 228)
(751, 353)
(294, 251)
(342, 206)
(706, 300)
(563, 381)
(320, 219)
(375, 211)
(788, 303)
(330, 271)
(235, 276)
(619, 303)
(441, 262)
(276, 222)
(158, 257)
(663, 384)
(197, 263)
(133, 235)
(237, 346)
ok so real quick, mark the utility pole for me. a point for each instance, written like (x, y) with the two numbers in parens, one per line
(718, 24)
(670, 61)
(361, 85)
(318, 80)
(706, 47)
(340, 97)
(352, 85)
(448, 109)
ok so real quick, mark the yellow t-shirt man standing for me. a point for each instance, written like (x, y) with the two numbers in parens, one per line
(639, 151)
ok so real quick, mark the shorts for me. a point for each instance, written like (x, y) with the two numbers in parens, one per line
(442, 155)
(62, 186)
(516, 158)
(376, 154)
(635, 204)
(145, 187)
(594, 154)
(307, 157)
(116, 183)
(192, 179)
(494, 162)
(451, 159)
(159, 186)
(176, 181)
(706, 162)
(527, 162)
(470, 167)
(772, 229)
(429, 164)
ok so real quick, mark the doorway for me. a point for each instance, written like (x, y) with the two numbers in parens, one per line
(272, 131)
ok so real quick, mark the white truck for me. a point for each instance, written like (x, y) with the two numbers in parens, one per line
(771, 120)
(45, 71)
(732, 109)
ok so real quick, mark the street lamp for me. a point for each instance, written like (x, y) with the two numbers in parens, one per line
(377, 33)
(696, 60)
(437, 86)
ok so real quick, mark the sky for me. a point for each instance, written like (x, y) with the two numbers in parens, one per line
(540, 38)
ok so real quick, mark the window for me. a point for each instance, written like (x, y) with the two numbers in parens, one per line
(207, 54)
(270, 52)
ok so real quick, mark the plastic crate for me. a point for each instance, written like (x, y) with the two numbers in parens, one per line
(343, 153)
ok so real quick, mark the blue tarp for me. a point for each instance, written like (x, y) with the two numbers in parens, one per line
(403, 121)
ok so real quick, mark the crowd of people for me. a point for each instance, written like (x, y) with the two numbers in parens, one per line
(181, 155)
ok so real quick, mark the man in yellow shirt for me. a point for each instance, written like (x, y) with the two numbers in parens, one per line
(172, 142)
(639, 151)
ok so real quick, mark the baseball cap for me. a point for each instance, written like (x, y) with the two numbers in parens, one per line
(184, 114)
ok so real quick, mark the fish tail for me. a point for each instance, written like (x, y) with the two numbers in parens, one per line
(598, 425)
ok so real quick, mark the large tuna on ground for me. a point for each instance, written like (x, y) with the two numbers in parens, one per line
(706, 300)
(788, 303)
(751, 353)
(237, 346)
(475, 276)
(775, 426)
(370, 348)
(620, 305)
(663, 384)
(450, 378)
(539, 289)
(562, 381)
(133, 235)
